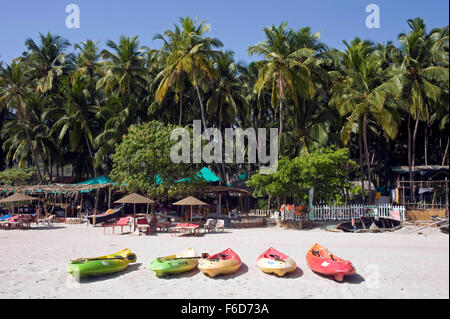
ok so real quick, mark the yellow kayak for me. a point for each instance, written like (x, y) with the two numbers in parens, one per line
(272, 261)
(225, 262)
(102, 265)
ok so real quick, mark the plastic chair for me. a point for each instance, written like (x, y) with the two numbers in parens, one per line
(220, 224)
(210, 225)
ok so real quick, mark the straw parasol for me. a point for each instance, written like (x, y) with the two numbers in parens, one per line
(134, 199)
(190, 201)
(17, 197)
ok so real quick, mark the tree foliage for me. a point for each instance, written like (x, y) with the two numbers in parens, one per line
(325, 169)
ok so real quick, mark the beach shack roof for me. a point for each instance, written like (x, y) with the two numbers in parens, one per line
(54, 188)
(205, 173)
(423, 170)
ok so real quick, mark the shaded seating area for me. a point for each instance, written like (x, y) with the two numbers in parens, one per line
(20, 221)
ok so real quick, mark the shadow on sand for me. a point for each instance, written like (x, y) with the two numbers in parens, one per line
(187, 274)
(129, 269)
(242, 270)
(45, 228)
(297, 273)
(354, 279)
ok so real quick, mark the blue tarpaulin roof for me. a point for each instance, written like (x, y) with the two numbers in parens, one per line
(204, 173)
(95, 181)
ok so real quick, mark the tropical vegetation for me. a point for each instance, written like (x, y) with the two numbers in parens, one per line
(93, 109)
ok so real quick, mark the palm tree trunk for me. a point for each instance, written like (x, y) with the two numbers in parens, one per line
(413, 157)
(445, 152)
(33, 151)
(425, 142)
(281, 106)
(366, 149)
(202, 108)
(181, 109)
(90, 154)
(361, 165)
(410, 152)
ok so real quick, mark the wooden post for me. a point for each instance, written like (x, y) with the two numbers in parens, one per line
(446, 195)
(403, 183)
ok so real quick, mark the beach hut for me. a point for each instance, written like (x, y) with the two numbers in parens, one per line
(190, 201)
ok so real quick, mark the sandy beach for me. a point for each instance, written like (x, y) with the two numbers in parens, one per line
(389, 265)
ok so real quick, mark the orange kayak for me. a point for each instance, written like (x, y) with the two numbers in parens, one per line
(320, 260)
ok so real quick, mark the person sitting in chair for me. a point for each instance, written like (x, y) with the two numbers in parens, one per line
(153, 221)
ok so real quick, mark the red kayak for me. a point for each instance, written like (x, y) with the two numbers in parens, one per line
(320, 260)
(273, 261)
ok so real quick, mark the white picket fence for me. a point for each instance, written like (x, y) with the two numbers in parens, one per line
(287, 215)
(261, 212)
(347, 212)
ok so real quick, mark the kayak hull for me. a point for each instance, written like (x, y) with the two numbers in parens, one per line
(270, 265)
(104, 265)
(168, 265)
(213, 267)
(325, 265)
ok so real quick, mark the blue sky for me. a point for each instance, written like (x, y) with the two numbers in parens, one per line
(238, 24)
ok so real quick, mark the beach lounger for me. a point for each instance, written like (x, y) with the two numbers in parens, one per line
(124, 221)
(210, 225)
(220, 225)
(164, 226)
(185, 229)
(47, 220)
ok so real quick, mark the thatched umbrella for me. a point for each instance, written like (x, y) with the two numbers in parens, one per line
(190, 201)
(17, 197)
(135, 199)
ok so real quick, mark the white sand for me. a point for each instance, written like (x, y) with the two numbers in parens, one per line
(389, 265)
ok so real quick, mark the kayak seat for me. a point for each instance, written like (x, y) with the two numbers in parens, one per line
(316, 253)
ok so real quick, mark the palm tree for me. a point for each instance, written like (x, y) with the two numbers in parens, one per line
(418, 72)
(226, 96)
(76, 117)
(87, 64)
(124, 72)
(13, 93)
(47, 61)
(16, 143)
(361, 91)
(285, 67)
(188, 51)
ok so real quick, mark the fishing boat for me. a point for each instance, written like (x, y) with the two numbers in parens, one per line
(85, 267)
(100, 218)
(185, 260)
(320, 260)
(273, 261)
(225, 262)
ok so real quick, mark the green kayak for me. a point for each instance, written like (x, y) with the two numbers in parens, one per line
(84, 267)
(175, 264)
